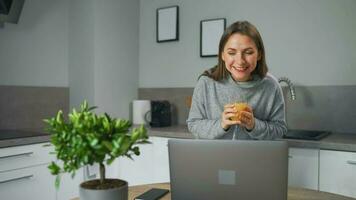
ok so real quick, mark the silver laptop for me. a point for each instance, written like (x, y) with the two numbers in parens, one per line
(228, 169)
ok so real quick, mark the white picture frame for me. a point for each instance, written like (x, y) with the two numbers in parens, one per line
(167, 24)
(211, 31)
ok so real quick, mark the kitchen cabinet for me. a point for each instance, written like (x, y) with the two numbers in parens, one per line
(24, 173)
(152, 166)
(139, 170)
(303, 169)
(69, 187)
(29, 183)
(160, 160)
(338, 172)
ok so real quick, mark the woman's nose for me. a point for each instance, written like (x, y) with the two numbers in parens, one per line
(239, 58)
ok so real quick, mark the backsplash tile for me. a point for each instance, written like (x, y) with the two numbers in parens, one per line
(176, 96)
(329, 108)
(25, 107)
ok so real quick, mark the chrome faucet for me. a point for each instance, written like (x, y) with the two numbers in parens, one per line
(290, 86)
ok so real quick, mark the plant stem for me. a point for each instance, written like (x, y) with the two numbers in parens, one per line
(102, 173)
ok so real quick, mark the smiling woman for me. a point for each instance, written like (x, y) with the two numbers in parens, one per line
(241, 73)
(240, 56)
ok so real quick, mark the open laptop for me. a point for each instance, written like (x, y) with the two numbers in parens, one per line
(228, 169)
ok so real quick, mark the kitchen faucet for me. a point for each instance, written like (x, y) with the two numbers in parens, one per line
(290, 86)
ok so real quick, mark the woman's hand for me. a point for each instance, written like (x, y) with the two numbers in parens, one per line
(245, 119)
(229, 111)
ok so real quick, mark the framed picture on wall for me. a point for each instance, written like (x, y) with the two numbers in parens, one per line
(211, 31)
(167, 24)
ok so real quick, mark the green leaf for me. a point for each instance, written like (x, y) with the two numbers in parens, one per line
(135, 135)
(108, 145)
(94, 142)
(136, 151)
(57, 181)
(92, 108)
(54, 169)
(59, 117)
(110, 160)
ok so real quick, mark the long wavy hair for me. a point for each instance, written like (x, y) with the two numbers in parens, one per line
(219, 71)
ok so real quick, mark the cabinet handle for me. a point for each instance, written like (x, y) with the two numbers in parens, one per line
(289, 156)
(16, 179)
(16, 155)
(351, 162)
(47, 145)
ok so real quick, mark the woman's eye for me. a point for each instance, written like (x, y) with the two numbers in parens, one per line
(249, 52)
(231, 53)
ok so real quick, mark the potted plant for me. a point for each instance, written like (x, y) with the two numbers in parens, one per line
(85, 138)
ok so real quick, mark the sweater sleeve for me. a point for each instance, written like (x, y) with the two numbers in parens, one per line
(198, 123)
(276, 126)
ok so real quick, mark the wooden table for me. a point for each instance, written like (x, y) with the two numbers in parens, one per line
(293, 193)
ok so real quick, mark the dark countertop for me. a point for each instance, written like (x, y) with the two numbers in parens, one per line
(10, 138)
(334, 141)
(24, 141)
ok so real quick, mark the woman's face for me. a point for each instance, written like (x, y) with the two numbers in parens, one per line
(240, 56)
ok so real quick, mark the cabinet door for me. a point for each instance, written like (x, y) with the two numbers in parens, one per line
(25, 156)
(338, 172)
(69, 187)
(28, 183)
(139, 170)
(303, 168)
(152, 166)
(160, 160)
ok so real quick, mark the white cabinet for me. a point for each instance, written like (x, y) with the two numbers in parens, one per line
(150, 167)
(338, 172)
(160, 160)
(28, 183)
(24, 173)
(69, 187)
(303, 168)
(139, 170)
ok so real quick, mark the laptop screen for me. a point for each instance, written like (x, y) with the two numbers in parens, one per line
(228, 169)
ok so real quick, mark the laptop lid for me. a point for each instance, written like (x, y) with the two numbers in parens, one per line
(228, 169)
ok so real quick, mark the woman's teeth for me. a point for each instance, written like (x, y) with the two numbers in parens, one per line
(240, 68)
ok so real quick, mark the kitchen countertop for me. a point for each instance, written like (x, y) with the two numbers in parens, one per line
(9, 138)
(334, 141)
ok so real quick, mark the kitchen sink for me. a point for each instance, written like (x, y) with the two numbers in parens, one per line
(306, 134)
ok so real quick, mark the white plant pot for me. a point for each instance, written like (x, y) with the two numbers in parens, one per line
(120, 193)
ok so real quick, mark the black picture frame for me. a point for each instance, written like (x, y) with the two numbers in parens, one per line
(211, 31)
(167, 24)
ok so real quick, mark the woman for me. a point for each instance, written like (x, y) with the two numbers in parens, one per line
(241, 73)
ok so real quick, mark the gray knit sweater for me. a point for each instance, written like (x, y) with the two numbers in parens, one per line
(263, 95)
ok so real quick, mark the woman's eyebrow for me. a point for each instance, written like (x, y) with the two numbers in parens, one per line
(247, 48)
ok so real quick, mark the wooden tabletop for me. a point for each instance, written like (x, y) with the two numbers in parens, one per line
(293, 193)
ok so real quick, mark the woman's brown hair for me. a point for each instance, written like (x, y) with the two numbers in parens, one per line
(219, 72)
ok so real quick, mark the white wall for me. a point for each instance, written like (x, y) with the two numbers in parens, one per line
(116, 46)
(311, 42)
(81, 52)
(34, 52)
(103, 60)
(90, 46)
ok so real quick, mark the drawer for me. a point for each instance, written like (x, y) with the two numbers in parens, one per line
(338, 172)
(29, 183)
(25, 156)
(303, 168)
